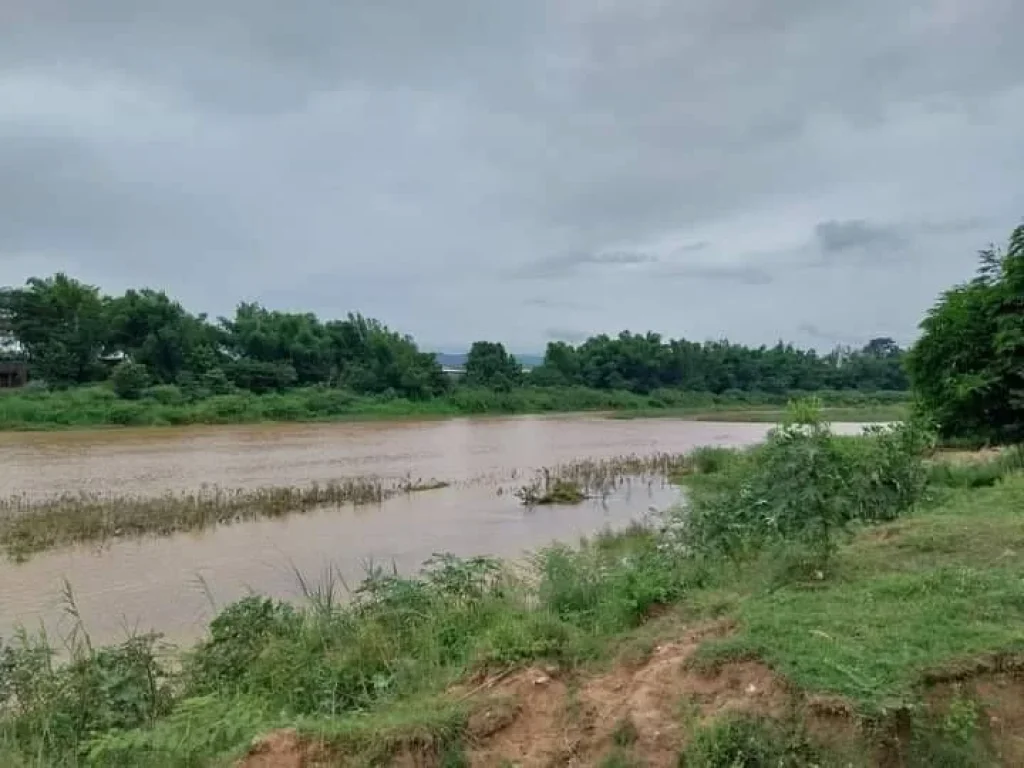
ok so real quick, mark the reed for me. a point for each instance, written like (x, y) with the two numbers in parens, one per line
(30, 525)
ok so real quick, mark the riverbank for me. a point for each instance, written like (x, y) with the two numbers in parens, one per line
(903, 644)
(91, 407)
(866, 413)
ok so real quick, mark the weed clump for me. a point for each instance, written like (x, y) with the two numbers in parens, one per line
(744, 741)
(557, 491)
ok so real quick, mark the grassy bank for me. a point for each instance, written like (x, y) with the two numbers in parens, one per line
(167, 405)
(865, 609)
(866, 412)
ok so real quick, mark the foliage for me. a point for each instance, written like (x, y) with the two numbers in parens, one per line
(488, 365)
(155, 331)
(212, 399)
(644, 363)
(550, 491)
(744, 741)
(806, 486)
(129, 380)
(967, 368)
(60, 324)
(66, 330)
(59, 708)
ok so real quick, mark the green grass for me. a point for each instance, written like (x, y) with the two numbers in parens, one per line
(937, 590)
(98, 406)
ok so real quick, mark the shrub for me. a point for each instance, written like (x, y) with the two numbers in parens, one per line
(165, 394)
(130, 380)
(59, 708)
(805, 485)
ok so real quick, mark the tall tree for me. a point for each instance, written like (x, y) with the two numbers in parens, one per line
(61, 325)
(159, 333)
(967, 368)
(489, 365)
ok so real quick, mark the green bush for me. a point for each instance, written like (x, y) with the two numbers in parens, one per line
(806, 486)
(165, 394)
(130, 380)
(58, 708)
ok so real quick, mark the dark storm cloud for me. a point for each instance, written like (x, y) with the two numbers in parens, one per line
(694, 167)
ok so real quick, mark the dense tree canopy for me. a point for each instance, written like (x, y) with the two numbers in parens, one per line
(644, 363)
(70, 333)
(489, 365)
(61, 325)
(967, 368)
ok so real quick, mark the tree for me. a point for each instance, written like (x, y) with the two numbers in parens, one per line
(159, 333)
(259, 376)
(489, 365)
(967, 368)
(60, 324)
(372, 359)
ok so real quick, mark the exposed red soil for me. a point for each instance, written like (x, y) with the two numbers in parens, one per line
(540, 718)
(561, 724)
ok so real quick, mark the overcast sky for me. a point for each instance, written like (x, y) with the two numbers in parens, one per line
(520, 171)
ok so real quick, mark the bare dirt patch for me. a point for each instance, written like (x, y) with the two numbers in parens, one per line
(999, 698)
(650, 709)
(284, 749)
(1002, 700)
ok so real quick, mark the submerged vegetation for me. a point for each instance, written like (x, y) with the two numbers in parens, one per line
(557, 491)
(29, 525)
(816, 558)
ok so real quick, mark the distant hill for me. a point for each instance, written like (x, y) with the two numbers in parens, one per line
(456, 359)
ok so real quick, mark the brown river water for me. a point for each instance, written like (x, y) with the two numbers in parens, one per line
(174, 584)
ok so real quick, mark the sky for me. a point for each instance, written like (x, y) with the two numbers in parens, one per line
(519, 171)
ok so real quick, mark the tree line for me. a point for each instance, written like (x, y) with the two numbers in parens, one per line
(70, 333)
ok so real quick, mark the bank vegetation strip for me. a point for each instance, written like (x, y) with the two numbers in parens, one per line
(99, 406)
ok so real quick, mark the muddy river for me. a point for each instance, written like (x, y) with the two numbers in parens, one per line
(173, 585)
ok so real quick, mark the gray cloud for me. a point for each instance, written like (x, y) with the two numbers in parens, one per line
(407, 160)
(744, 274)
(570, 264)
(836, 237)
